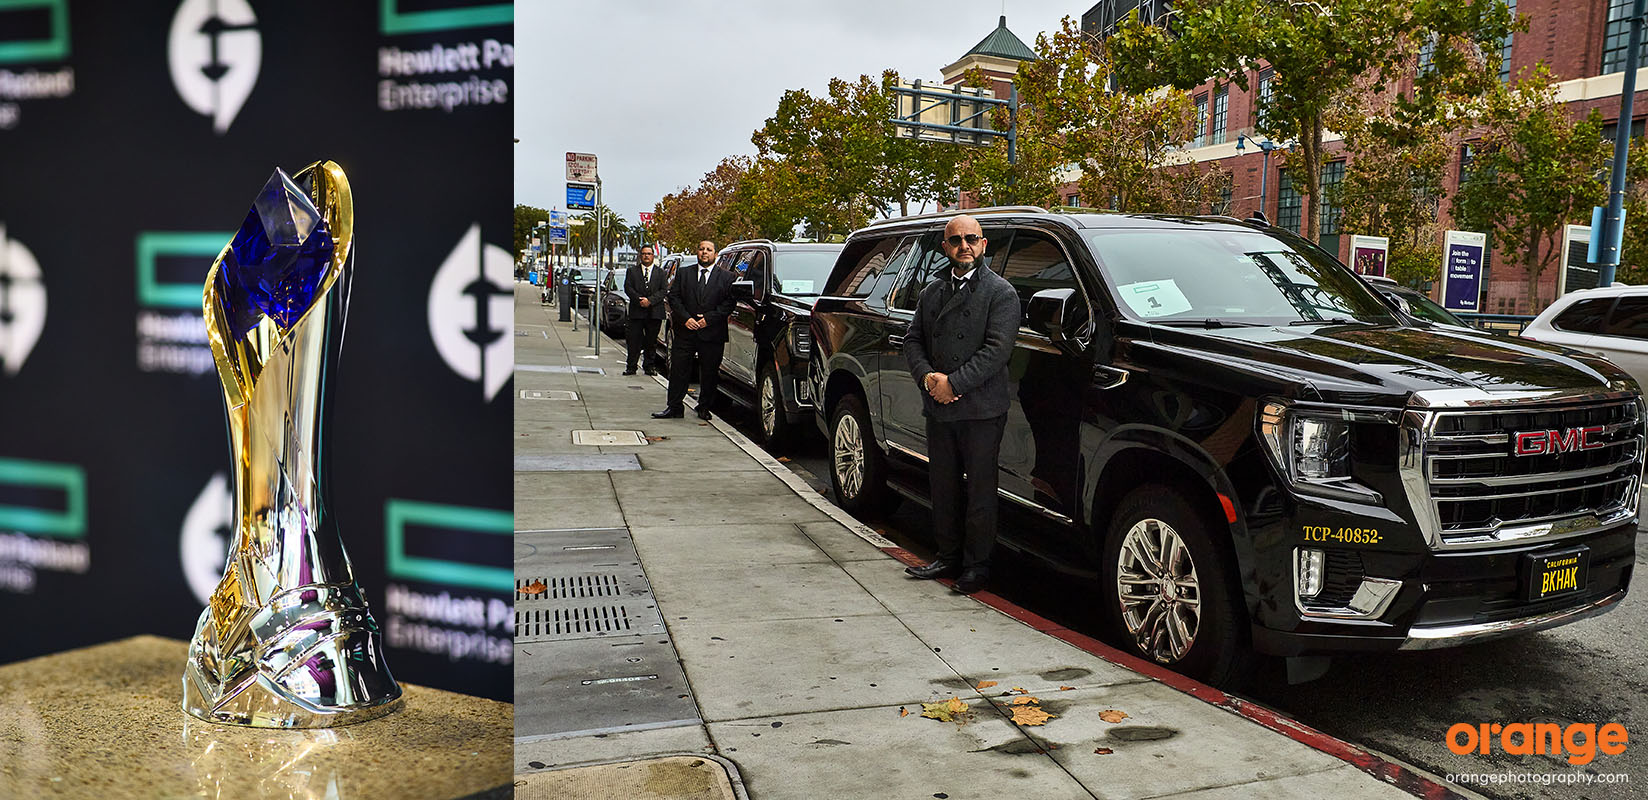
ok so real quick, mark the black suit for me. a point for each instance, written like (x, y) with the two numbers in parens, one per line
(691, 295)
(648, 282)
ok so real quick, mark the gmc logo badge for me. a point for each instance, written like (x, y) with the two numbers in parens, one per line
(1538, 443)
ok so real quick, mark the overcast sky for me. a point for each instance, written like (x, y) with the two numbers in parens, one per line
(662, 90)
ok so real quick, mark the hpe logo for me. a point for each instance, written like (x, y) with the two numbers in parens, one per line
(204, 543)
(471, 311)
(22, 303)
(214, 51)
(1537, 443)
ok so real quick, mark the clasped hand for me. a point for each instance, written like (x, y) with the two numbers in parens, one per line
(938, 385)
(696, 323)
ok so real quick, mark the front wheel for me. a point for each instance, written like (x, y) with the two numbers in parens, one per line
(858, 471)
(1169, 590)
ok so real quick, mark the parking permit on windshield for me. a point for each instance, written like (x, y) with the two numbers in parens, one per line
(1155, 298)
(796, 287)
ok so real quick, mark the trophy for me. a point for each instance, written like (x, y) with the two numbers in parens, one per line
(286, 640)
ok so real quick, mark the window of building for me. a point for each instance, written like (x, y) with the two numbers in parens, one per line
(1328, 210)
(1616, 37)
(1611, 129)
(1289, 203)
(1427, 54)
(1266, 75)
(1505, 48)
(1223, 204)
(1221, 112)
(1074, 201)
(1201, 122)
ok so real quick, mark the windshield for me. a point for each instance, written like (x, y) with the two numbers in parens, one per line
(1425, 308)
(1206, 276)
(803, 272)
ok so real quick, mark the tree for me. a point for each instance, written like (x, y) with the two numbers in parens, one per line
(1633, 256)
(526, 218)
(1319, 52)
(1535, 169)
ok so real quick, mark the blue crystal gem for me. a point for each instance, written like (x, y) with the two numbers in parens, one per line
(277, 259)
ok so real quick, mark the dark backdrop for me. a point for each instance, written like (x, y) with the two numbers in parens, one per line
(112, 438)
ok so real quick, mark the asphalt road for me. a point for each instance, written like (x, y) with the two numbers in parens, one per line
(1400, 704)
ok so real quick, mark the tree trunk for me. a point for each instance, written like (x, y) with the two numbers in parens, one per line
(1311, 185)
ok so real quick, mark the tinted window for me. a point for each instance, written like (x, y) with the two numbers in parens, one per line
(1584, 316)
(873, 275)
(932, 262)
(1034, 263)
(1630, 318)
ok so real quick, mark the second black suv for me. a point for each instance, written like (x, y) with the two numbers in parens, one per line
(1247, 446)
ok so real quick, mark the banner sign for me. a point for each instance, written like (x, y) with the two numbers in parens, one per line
(1462, 270)
(114, 462)
(1369, 254)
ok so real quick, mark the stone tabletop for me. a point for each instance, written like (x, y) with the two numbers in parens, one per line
(107, 722)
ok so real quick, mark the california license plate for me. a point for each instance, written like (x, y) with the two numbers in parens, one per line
(1555, 574)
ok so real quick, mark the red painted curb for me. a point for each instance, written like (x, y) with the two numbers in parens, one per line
(1397, 775)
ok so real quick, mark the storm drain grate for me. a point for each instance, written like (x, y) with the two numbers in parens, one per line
(574, 622)
(548, 394)
(568, 587)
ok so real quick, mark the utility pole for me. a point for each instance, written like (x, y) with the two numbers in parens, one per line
(595, 313)
(1613, 226)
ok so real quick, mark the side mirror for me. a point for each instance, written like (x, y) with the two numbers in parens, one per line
(744, 290)
(1050, 313)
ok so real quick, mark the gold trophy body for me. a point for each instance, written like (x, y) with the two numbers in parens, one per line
(287, 640)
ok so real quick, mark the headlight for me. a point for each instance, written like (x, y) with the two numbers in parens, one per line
(1311, 447)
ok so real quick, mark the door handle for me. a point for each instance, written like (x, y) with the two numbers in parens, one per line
(895, 340)
(1108, 377)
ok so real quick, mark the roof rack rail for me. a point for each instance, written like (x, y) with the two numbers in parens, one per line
(956, 212)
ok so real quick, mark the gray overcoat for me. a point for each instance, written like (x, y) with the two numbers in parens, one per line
(970, 338)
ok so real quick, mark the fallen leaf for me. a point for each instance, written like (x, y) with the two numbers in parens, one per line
(1104, 751)
(945, 711)
(1024, 701)
(1066, 688)
(1018, 690)
(1112, 715)
(986, 684)
(1031, 715)
(783, 459)
(535, 587)
(903, 712)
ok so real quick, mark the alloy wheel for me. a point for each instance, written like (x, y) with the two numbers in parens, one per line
(1160, 596)
(848, 455)
(769, 407)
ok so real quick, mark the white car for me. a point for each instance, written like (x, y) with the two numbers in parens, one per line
(1611, 322)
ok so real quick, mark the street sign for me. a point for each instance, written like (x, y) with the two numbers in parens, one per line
(580, 197)
(581, 167)
(557, 235)
(644, 216)
(1462, 270)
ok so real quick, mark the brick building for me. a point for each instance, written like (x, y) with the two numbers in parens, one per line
(1583, 42)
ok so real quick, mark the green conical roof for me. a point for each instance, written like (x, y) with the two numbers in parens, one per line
(1001, 43)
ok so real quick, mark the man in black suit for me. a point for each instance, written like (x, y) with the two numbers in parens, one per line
(957, 348)
(644, 283)
(700, 300)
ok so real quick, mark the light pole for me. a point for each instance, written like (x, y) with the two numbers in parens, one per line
(1264, 175)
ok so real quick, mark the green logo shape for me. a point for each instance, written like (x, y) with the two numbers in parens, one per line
(391, 21)
(397, 514)
(70, 523)
(151, 245)
(55, 48)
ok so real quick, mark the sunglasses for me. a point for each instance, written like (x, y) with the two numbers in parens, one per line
(971, 239)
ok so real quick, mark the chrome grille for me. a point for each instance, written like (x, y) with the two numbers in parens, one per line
(1466, 477)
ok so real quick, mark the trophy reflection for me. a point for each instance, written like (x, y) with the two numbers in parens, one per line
(286, 640)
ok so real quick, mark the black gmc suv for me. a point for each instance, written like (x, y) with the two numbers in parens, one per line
(765, 363)
(1247, 446)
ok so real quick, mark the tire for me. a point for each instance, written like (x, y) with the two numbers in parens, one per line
(777, 432)
(858, 470)
(1205, 599)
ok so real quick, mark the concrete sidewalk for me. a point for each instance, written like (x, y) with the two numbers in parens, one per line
(781, 643)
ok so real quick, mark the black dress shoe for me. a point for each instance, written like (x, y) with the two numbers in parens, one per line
(939, 568)
(703, 413)
(629, 372)
(652, 371)
(668, 413)
(972, 579)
